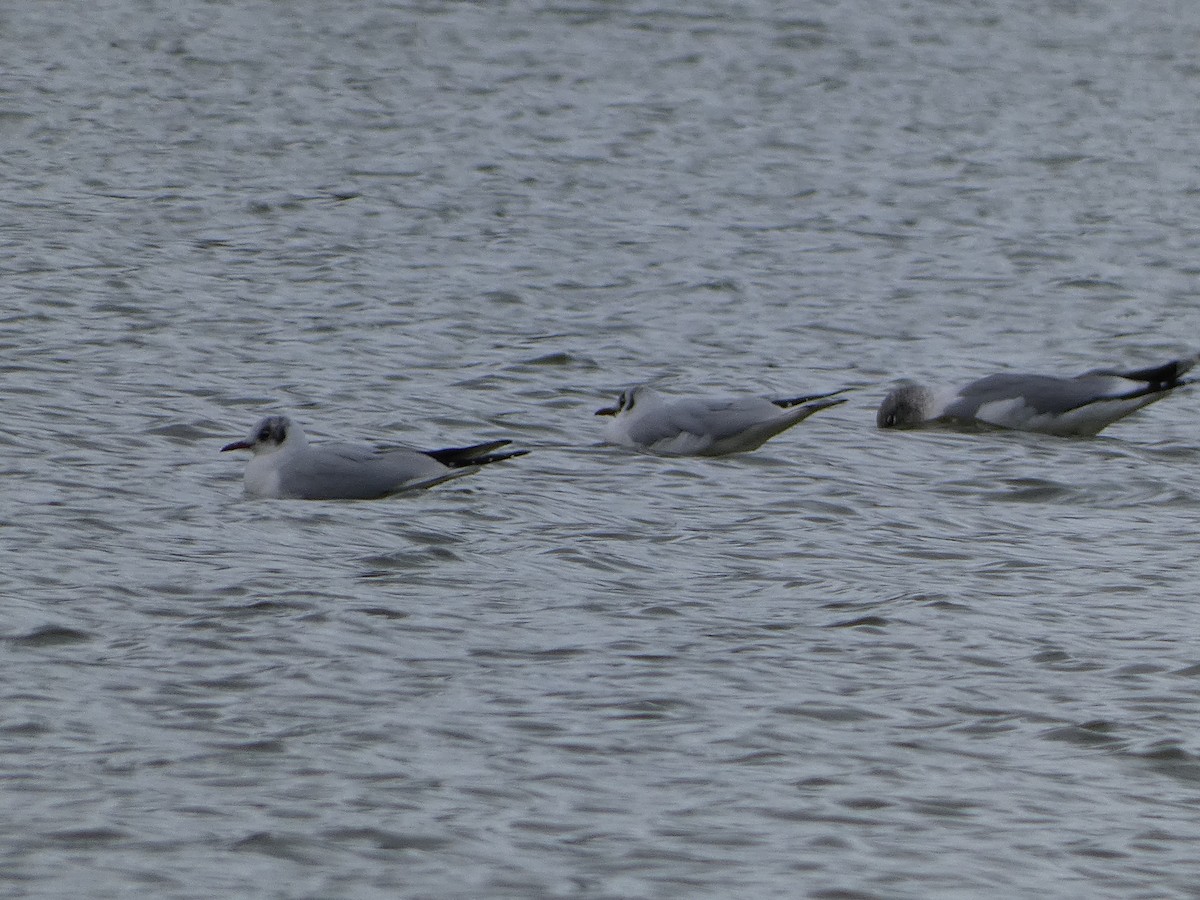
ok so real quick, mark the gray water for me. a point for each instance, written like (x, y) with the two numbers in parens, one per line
(853, 664)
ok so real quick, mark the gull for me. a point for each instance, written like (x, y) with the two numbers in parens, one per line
(286, 466)
(645, 420)
(1079, 406)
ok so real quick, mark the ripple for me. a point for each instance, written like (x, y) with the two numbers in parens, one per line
(853, 663)
(51, 636)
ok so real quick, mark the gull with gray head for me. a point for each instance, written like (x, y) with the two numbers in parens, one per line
(645, 420)
(1078, 406)
(286, 466)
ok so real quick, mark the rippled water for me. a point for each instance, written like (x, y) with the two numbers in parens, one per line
(851, 664)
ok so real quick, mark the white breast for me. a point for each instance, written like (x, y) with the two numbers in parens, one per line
(262, 477)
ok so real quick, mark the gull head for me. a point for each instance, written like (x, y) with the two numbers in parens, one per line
(268, 436)
(626, 401)
(906, 407)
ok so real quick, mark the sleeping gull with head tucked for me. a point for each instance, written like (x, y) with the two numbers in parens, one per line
(1081, 406)
(645, 420)
(286, 466)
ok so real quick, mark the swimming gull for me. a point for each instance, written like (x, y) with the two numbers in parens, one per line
(644, 419)
(286, 466)
(1082, 405)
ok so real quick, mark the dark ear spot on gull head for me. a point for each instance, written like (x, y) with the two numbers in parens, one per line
(273, 430)
(905, 407)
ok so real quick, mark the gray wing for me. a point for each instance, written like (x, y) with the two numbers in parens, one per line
(1044, 394)
(350, 472)
(350, 452)
(712, 418)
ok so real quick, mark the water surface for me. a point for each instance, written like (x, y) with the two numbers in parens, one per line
(851, 664)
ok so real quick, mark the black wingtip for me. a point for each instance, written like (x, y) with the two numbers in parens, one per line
(796, 401)
(496, 457)
(475, 455)
(1160, 378)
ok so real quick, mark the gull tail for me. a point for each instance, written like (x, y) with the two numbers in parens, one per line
(796, 401)
(475, 455)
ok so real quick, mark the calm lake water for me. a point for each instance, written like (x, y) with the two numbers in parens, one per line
(853, 664)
